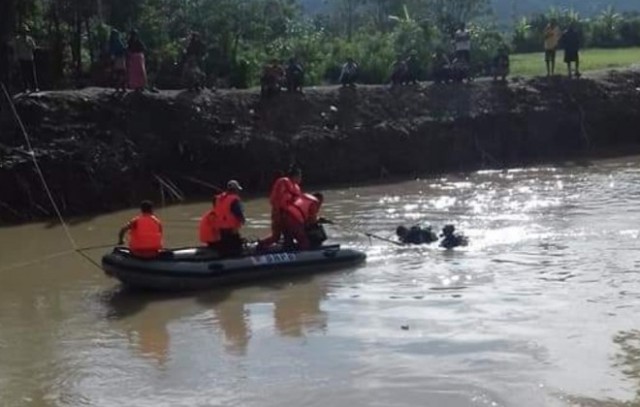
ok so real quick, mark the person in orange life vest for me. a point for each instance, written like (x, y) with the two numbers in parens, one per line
(284, 191)
(229, 220)
(301, 222)
(208, 232)
(145, 232)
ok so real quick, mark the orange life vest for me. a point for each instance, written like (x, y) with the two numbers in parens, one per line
(304, 209)
(225, 219)
(283, 193)
(209, 233)
(145, 235)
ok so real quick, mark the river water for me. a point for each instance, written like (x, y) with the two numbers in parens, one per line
(542, 309)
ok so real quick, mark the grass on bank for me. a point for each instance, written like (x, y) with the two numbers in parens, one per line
(590, 60)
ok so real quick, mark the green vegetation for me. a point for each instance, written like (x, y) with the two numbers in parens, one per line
(241, 35)
(590, 60)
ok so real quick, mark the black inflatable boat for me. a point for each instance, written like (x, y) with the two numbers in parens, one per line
(200, 268)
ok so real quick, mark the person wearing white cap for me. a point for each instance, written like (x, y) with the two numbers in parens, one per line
(229, 220)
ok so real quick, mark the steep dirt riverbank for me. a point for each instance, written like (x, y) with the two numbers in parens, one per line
(101, 151)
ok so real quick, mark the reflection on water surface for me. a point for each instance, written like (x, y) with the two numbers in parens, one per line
(540, 310)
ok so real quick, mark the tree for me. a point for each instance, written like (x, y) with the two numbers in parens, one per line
(605, 29)
(449, 14)
(522, 36)
(347, 11)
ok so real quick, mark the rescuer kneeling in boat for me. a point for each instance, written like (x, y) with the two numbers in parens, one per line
(145, 232)
(208, 230)
(284, 192)
(301, 223)
(229, 218)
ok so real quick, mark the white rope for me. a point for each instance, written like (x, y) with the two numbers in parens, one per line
(32, 153)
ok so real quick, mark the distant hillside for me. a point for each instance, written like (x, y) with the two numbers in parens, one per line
(504, 9)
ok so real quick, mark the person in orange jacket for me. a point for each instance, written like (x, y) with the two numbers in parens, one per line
(208, 233)
(145, 232)
(283, 192)
(229, 219)
(302, 224)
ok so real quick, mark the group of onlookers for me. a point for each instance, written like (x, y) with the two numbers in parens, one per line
(276, 76)
(569, 40)
(128, 67)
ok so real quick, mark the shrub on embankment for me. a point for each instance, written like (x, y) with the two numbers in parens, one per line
(100, 152)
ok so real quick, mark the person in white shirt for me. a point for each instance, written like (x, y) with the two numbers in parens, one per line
(349, 73)
(24, 47)
(462, 41)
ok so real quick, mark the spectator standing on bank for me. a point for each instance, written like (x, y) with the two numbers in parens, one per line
(349, 73)
(136, 69)
(462, 41)
(192, 73)
(552, 35)
(571, 44)
(24, 47)
(118, 54)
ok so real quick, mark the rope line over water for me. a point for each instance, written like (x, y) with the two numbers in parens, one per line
(32, 153)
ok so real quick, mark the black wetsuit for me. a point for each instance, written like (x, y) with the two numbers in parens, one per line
(451, 241)
(417, 235)
(316, 235)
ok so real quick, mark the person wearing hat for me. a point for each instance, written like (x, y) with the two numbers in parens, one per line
(229, 220)
(24, 48)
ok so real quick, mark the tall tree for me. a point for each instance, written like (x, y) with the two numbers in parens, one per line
(347, 11)
(451, 13)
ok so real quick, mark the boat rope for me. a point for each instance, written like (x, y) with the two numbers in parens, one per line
(367, 234)
(32, 154)
(81, 251)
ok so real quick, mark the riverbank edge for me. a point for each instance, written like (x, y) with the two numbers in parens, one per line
(102, 151)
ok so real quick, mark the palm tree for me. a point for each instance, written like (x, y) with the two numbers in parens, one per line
(403, 19)
(610, 19)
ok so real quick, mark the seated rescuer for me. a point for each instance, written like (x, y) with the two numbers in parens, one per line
(145, 232)
(301, 222)
(416, 235)
(208, 231)
(283, 192)
(450, 239)
(229, 218)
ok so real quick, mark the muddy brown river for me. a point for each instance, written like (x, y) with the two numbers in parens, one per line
(542, 309)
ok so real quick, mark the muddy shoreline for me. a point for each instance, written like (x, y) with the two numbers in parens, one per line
(102, 151)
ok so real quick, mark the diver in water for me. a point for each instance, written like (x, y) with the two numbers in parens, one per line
(450, 239)
(416, 235)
